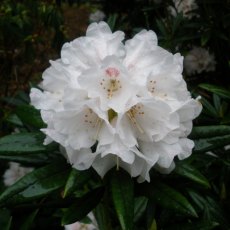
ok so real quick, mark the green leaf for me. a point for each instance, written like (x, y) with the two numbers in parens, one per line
(123, 197)
(34, 158)
(82, 206)
(75, 180)
(112, 21)
(208, 144)
(150, 213)
(22, 143)
(208, 108)
(199, 225)
(205, 38)
(209, 131)
(169, 198)
(30, 116)
(29, 221)
(192, 173)
(222, 92)
(217, 102)
(102, 216)
(140, 205)
(5, 219)
(153, 225)
(36, 184)
(211, 209)
(14, 119)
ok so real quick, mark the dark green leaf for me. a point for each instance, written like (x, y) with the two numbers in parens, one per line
(209, 109)
(82, 206)
(5, 219)
(169, 198)
(140, 205)
(112, 21)
(209, 131)
(205, 38)
(211, 209)
(101, 214)
(14, 119)
(217, 102)
(76, 179)
(30, 116)
(123, 198)
(22, 143)
(192, 173)
(208, 144)
(222, 92)
(36, 184)
(34, 158)
(201, 225)
(29, 221)
(153, 225)
(161, 26)
(150, 213)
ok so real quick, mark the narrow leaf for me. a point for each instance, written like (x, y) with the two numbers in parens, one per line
(222, 92)
(169, 198)
(28, 158)
(201, 225)
(209, 109)
(22, 143)
(140, 205)
(123, 198)
(75, 180)
(209, 131)
(208, 144)
(82, 206)
(36, 184)
(192, 173)
(5, 219)
(29, 221)
(153, 225)
(102, 216)
(30, 116)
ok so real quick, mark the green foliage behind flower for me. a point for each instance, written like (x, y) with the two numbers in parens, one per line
(28, 29)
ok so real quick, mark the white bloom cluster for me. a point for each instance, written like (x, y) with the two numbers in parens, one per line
(198, 60)
(97, 16)
(186, 7)
(128, 98)
(14, 173)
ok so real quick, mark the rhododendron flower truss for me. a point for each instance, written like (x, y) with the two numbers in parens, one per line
(129, 98)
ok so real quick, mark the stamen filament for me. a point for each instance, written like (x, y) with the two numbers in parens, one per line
(112, 87)
(134, 121)
(98, 125)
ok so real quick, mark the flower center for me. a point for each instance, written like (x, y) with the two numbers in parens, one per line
(111, 114)
(111, 83)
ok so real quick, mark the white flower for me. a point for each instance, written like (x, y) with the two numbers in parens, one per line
(97, 16)
(130, 99)
(14, 173)
(199, 60)
(79, 226)
(82, 226)
(186, 7)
